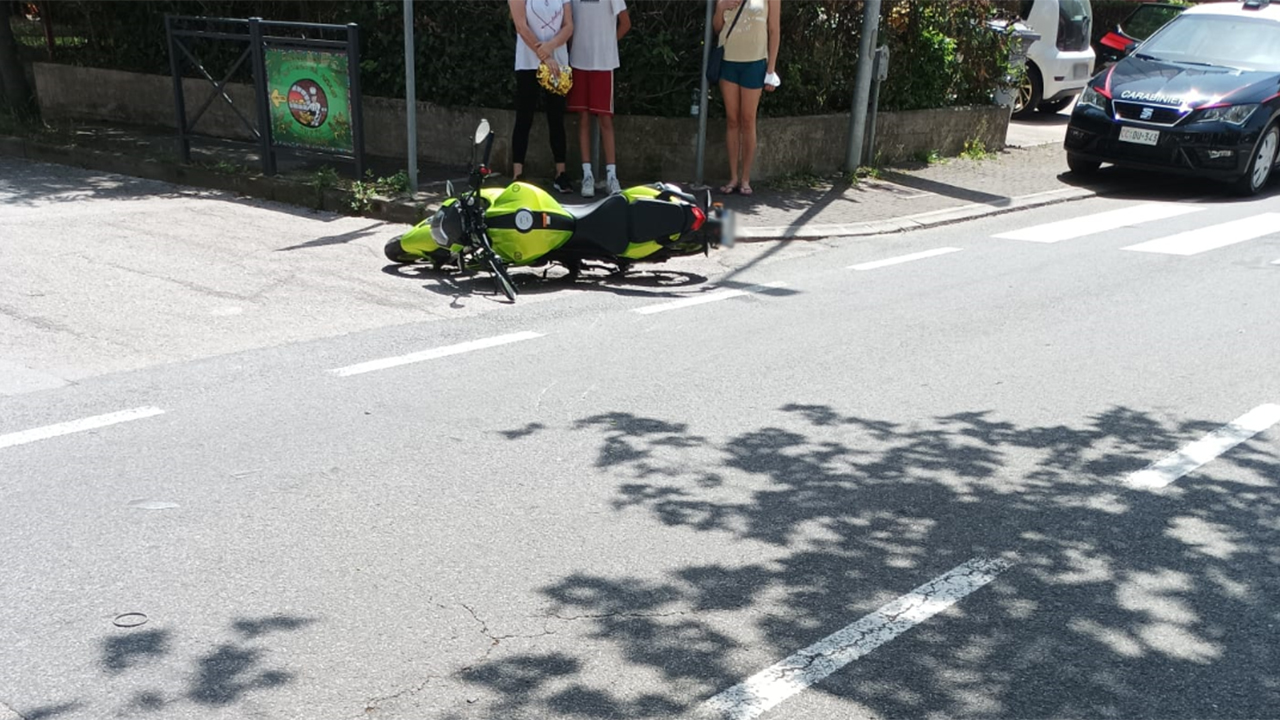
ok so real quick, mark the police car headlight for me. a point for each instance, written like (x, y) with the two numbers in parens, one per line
(1092, 98)
(1233, 114)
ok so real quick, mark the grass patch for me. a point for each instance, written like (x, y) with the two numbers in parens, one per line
(364, 191)
(801, 180)
(929, 157)
(975, 149)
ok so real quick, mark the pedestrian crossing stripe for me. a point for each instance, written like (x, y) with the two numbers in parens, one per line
(1100, 223)
(1194, 242)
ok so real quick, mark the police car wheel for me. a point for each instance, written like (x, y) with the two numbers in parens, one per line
(1255, 179)
(1081, 166)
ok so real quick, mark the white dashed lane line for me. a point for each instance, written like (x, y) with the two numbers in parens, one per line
(773, 685)
(710, 297)
(1200, 452)
(75, 426)
(877, 264)
(422, 356)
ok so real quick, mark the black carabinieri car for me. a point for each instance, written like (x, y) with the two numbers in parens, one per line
(1199, 97)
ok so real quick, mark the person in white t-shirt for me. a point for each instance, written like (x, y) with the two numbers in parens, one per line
(593, 55)
(543, 29)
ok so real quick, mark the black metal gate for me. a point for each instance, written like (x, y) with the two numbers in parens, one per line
(260, 36)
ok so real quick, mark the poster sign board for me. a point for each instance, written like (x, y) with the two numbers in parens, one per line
(310, 99)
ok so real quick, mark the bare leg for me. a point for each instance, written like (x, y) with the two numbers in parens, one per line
(517, 169)
(747, 116)
(732, 94)
(584, 136)
(606, 139)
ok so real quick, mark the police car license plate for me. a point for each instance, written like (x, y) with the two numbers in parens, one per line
(1140, 136)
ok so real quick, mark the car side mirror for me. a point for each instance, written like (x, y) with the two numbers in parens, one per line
(1128, 49)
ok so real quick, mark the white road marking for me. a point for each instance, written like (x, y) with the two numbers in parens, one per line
(74, 426)
(1193, 456)
(1276, 262)
(904, 259)
(433, 354)
(1102, 222)
(1194, 242)
(771, 686)
(704, 299)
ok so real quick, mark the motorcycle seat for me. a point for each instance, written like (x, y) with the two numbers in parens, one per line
(656, 220)
(605, 224)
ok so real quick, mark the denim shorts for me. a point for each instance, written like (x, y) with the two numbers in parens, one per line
(749, 75)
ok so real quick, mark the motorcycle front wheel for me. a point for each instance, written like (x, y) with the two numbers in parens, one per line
(501, 278)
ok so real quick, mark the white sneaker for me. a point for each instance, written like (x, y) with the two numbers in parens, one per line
(588, 186)
(612, 184)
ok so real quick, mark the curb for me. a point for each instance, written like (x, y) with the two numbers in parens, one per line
(275, 189)
(934, 218)
(409, 212)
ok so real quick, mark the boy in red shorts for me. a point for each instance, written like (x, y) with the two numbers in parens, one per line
(598, 25)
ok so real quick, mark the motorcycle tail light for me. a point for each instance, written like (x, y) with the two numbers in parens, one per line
(699, 218)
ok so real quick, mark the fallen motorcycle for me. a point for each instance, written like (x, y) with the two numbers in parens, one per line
(522, 225)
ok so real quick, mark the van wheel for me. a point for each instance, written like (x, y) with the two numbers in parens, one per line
(1029, 93)
(1053, 107)
(1255, 179)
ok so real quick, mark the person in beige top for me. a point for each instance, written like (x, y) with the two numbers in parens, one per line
(749, 31)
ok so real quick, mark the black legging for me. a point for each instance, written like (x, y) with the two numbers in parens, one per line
(527, 93)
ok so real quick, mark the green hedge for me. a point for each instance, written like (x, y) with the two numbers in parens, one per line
(942, 52)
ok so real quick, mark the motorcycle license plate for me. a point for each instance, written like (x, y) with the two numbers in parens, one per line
(1139, 136)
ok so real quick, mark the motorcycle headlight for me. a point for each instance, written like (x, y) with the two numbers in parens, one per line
(1233, 114)
(446, 226)
(1092, 98)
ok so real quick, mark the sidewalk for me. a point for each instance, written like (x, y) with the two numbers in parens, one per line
(900, 198)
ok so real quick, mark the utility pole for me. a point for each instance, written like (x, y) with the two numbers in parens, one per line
(862, 84)
(411, 94)
(702, 99)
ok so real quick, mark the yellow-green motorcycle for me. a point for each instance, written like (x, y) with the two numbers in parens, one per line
(523, 225)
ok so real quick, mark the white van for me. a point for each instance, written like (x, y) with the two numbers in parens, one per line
(1061, 62)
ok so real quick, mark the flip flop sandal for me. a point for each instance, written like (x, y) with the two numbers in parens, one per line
(729, 189)
(746, 190)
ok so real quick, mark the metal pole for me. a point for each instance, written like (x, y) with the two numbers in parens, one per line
(179, 99)
(702, 100)
(262, 96)
(873, 110)
(357, 95)
(862, 84)
(411, 94)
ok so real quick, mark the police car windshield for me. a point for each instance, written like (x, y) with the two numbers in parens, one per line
(1237, 42)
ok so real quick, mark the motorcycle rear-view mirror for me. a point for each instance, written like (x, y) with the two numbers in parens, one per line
(482, 131)
(448, 188)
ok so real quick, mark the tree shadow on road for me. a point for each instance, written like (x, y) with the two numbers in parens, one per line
(1120, 602)
(222, 677)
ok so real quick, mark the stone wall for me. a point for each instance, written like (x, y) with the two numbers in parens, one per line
(648, 147)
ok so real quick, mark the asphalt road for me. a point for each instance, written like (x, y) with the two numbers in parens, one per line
(996, 477)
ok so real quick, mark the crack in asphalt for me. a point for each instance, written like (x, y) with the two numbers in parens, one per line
(572, 618)
(371, 705)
